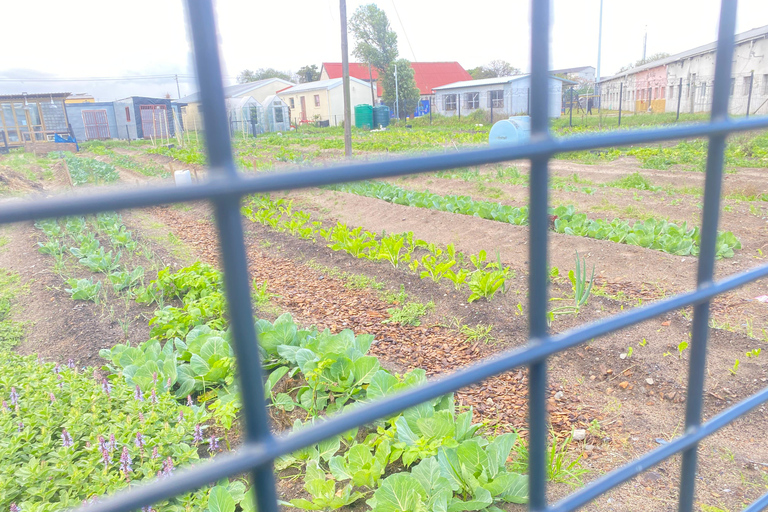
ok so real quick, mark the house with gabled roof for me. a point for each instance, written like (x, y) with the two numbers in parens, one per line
(323, 101)
(428, 75)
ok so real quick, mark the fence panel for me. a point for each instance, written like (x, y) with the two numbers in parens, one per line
(227, 187)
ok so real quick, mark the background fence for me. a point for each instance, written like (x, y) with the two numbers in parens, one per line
(226, 187)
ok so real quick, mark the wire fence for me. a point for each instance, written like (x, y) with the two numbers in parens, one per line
(226, 187)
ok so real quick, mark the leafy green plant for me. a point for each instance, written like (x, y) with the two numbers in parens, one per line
(85, 170)
(262, 296)
(124, 280)
(681, 347)
(485, 284)
(735, 367)
(84, 289)
(325, 495)
(755, 352)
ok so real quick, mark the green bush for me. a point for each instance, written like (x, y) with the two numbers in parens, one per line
(69, 436)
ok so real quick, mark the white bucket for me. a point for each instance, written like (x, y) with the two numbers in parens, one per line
(182, 177)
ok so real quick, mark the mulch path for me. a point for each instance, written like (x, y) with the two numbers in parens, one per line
(316, 299)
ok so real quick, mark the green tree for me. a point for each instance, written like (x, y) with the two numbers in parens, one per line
(408, 93)
(375, 41)
(247, 75)
(493, 69)
(308, 74)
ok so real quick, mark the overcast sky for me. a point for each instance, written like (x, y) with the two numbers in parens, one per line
(96, 39)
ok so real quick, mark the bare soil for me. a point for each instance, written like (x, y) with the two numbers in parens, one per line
(637, 400)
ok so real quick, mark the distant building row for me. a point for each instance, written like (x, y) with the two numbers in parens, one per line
(687, 78)
(30, 119)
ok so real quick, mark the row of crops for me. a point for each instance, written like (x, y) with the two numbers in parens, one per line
(78, 237)
(657, 234)
(431, 456)
(482, 278)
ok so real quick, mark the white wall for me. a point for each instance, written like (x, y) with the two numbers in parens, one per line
(516, 98)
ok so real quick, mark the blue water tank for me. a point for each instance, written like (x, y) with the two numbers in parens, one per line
(515, 130)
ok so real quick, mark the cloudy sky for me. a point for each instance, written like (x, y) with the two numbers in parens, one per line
(118, 49)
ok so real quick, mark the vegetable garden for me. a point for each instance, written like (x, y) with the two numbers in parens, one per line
(362, 290)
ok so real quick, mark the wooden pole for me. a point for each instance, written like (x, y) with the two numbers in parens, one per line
(345, 79)
(370, 77)
(66, 171)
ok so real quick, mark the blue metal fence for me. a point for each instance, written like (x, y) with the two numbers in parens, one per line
(226, 187)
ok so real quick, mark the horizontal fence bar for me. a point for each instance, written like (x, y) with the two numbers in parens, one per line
(596, 488)
(760, 504)
(363, 415)
(218, 188)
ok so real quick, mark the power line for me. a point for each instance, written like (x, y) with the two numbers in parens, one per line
(405, 33)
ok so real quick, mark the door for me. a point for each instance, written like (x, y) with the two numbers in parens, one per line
(303, 109)
(154, 121)
(96, 124)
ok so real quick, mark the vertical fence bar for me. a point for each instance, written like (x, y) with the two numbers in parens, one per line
(621, 92)
(570, 111)
(712, 190)
(234, 261)
(539, 224)
(679, 97)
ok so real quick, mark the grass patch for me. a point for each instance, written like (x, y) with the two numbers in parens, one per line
(11, 331)
(634, 181)
(409, 314)
(479, 332)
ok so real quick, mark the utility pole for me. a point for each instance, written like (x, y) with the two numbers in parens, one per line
(599, 48)
(178, 91)
(397, 96)
(645, 41)
(370, 76)
(345, 79)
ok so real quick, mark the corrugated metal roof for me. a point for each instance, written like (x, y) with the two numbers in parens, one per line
(37, 95)
(237, 89)
(570, 70)
(493, 81)
(321, 84)
(755, 33)
(428, 75)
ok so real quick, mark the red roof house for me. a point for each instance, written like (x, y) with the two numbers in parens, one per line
(428, 75)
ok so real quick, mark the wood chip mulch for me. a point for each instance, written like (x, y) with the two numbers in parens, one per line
(315, 299)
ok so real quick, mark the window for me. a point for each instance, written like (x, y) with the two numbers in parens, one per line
(765, 85)
(671, 92)
(746, 85)
(497, 99)
(293, 103)
(278, 112)
(704, 90)
(317, 100)
(733, 85)
(128, 114)
(472, 100)
(449, 102)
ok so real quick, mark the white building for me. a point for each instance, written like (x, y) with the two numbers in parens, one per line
(686, 79)
(323, 101)
(510, 95)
